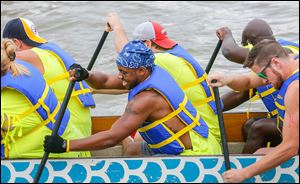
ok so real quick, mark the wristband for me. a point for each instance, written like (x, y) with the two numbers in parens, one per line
(68, 146)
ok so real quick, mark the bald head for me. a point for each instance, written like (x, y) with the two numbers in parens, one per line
(255, 31)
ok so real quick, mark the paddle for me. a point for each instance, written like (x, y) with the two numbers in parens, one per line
(55, 129)
(97, 51)
(222, 127)
(213, 57)
(64, 106)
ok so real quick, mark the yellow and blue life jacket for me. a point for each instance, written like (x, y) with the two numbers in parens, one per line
(81, 88)
(39, 94)
(199, 72)
(267, 93)
(2, 149)
(158, 136)
(293, 47)
(280, 98)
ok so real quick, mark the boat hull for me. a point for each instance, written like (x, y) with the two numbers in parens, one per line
(175, 169)
(233, 124)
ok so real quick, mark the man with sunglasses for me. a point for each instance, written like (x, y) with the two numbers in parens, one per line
(271, 64)
(257, 132)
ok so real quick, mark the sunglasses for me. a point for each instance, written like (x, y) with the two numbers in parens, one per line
(262, 73)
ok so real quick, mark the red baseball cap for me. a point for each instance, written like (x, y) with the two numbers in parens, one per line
(154, 32)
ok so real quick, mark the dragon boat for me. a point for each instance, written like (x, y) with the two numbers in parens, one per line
(109, 166)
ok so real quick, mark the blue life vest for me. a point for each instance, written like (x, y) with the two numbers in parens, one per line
(293, 47)
(181, 52)
(280, 99)
(40, 95)
(159, 138)
(86, 98)
(2, 150)
(268, 93)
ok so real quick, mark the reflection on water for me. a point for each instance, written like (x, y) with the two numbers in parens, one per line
(78, 26)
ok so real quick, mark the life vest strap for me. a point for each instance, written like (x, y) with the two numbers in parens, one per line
(203, 101)
(47, 110)
(278, 123)
(273, 113)
(58, 78)
(37, 105)
(164, 119)
(9, 135)
(263, 94)
(279, 106)
(292, 48)
(177, 135)
(260, 96)
(195, 82)
(82, 91)
(45, 122)
(251, 92)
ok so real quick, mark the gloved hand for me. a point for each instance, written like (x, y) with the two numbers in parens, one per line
(80, 73)
(55, 144)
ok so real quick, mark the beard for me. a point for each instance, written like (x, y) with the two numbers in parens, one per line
(278, 81)
(129, 85)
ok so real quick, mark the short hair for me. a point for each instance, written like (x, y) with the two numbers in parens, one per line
(263, 52)
(158, 47)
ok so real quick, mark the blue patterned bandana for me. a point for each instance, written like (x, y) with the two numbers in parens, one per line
(134, 55)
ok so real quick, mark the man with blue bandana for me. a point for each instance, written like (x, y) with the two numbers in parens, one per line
(178, 62)
(157, 108)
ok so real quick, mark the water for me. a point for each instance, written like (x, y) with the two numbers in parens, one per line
(78, 26)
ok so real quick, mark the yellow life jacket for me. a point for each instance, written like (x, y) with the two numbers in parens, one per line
(159, 137)
(24, 124)
(184, 73)
(81, 118)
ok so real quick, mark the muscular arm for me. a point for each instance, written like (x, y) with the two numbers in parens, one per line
(246, 82)
(136, 112)
(99, 80)
(230, 48)
(236, 82)
(233, 99)
(232, 51)
(120, 36)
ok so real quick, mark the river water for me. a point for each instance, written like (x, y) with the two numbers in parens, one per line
(78, 26)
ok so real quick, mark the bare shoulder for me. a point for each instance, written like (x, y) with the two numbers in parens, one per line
(292, 96)
(31, 57)
(27, 55)
(144, 101)
(293, 89)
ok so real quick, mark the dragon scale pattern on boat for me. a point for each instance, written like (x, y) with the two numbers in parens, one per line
(146, 169)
